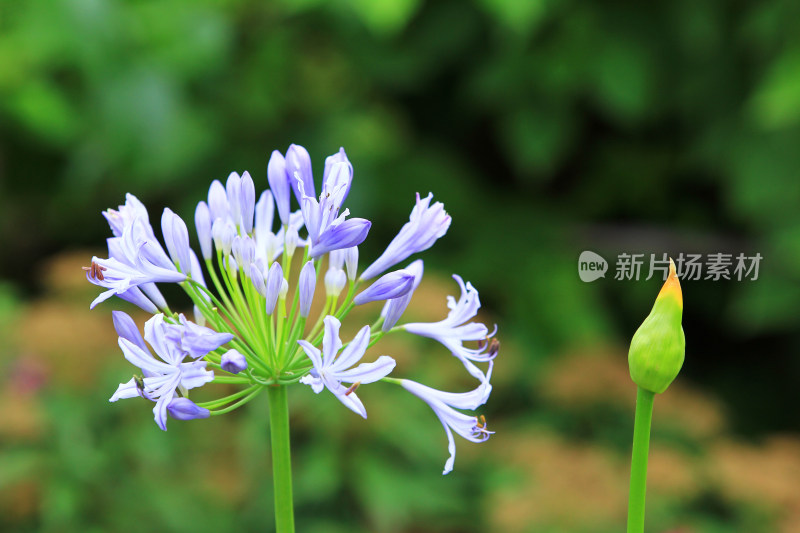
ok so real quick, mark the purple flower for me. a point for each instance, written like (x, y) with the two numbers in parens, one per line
(127, 329)
(327, 229)
(244, 251)
(394, 308)
(454, 330)
(351, 260)
(133, 238)
(443, 403)
(425, 225)
(274, 284)
(162, 376)
(308, 282)
(331, 161)
(186, 409)
(119, 278)
(125, 215)
(335, 280)
(233, 362)
(137, 298)
(331, 369)
(298, 167)
(279, 184)
(202, 221)
(176, 236)
(392, 285)
(341, 234)
(257, 278)
(248, 202)
(218, 201)
(233, 190)
(193, 340)
(223, 232)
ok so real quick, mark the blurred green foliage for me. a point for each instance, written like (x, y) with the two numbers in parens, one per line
(546, 128)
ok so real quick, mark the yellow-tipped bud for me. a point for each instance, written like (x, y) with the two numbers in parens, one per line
(658, 346)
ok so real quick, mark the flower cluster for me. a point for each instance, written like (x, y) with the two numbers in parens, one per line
(251, 324)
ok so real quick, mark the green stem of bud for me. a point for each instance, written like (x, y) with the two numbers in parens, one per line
(641, 447)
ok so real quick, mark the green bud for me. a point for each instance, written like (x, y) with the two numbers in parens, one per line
(658, 346)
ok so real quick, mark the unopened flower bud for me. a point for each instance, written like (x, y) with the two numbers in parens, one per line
(233, 362)
(244, 251)
(298, 166)
(199, 318)
(257, 277)
(335, 280)
(202, 221)
(218, 201)
(176, 237)
(394, 308)
(658, 346)
(351, 260)
(279, 184)
(274, 284)
(292, 238)
(127, 329)
(284, 289)
(186, 409)
(308, 282)
(392, 285)
(234, 192)
(223, 232)
(265, 211)
(248, 195)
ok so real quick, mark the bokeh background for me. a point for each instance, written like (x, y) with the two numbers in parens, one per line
(546, 128)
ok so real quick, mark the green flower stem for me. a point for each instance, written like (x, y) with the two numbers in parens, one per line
(231, 379)
(237, 404)
(641, 445)
(213, 404)
(281, 459)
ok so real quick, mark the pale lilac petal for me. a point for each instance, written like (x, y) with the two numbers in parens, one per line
(312, 353)
(368, 372)
(127, 329)
(353, 402)
(313, 381)
(176, 236)
(136, 297)
(298, 163)
(274, 282)
(218, 201)
(248, 202)
(202, 221)
(308, 282)
(331, 344)
(279, 184)
(126, 390)
(353, 352)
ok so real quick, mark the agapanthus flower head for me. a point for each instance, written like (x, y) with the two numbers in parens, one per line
(253, 324)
